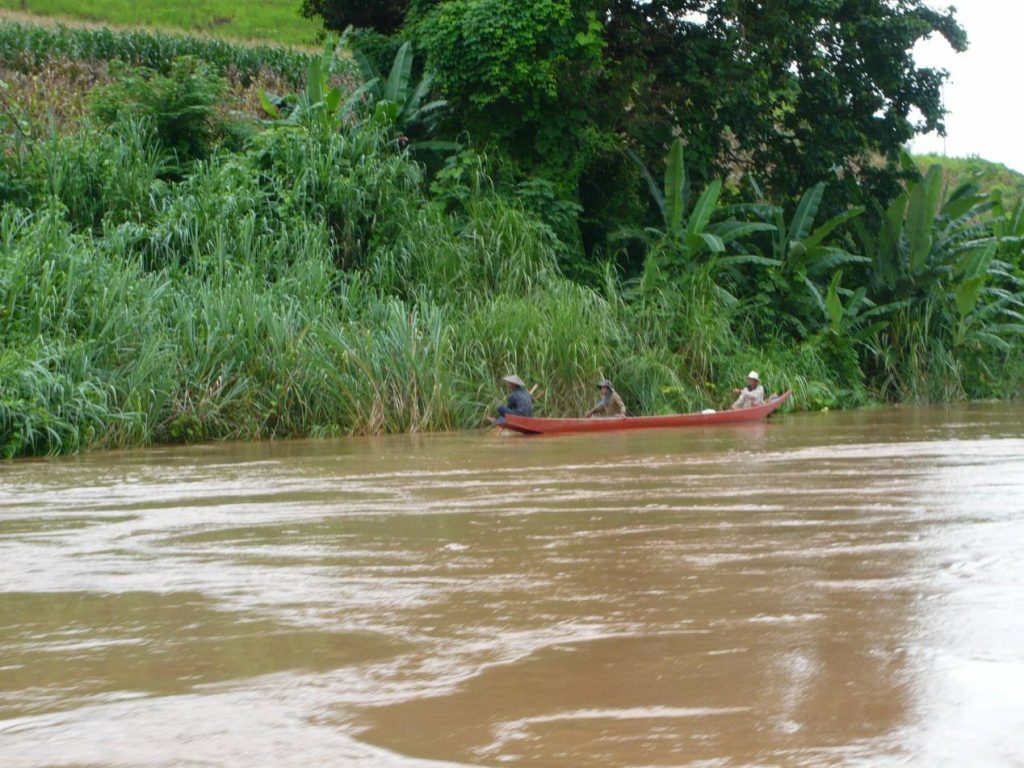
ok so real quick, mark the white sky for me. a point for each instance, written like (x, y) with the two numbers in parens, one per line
(983, 93)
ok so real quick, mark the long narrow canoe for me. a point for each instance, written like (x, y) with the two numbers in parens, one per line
(536, 426)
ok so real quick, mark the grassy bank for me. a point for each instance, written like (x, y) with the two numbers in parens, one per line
(177, 266)
(263, 20)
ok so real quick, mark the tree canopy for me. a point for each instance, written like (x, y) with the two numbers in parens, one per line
(795, 91)
(792, 92)
(382, 15)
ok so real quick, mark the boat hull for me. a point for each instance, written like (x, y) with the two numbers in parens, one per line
(536, 426)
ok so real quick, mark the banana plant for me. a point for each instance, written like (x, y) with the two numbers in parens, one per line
(393, 103)
(396, 103)
(935, 264)
(320, 105)
(989, 297)
(848, 312)
(804, 291)
(924, 237)
(394, 97)
(1008, 226)
(686, 241)
(685, 294)
(1009, 222)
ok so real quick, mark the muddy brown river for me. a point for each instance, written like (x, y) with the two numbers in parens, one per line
(842, 589)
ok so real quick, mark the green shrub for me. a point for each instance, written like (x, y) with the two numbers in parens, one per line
(350, 180)
(495, 247)
(101, 177)
(180, 106)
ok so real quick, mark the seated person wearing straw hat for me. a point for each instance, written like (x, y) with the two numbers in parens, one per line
(752, 395)
(519, 403)
(610, 403)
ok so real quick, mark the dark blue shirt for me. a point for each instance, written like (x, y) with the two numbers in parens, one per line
(520, 402)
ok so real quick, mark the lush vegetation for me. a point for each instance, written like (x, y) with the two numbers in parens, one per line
(791, 92)
(172, 269)
(270, 20)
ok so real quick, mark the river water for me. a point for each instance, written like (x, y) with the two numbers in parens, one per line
(824, 589)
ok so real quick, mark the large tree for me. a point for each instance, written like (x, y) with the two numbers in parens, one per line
(521, 74)
(794, 91)
(381, 15)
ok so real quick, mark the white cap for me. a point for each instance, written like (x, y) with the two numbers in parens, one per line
(753, 375)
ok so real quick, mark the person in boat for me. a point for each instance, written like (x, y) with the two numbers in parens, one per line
(519, 402)
(750, 396)
(610, 403)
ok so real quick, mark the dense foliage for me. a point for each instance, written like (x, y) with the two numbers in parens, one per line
(795, 92)
(383, 15)
(171, 270)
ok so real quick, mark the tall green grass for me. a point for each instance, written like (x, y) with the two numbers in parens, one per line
(138, 309)
(214, 308)
(83, 358)
(494, 248)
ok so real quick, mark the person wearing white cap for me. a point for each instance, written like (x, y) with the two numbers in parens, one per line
(752, 395)
(520, 403)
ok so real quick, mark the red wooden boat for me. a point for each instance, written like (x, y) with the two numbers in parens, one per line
(535, 426)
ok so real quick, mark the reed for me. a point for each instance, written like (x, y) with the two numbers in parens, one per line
(100, 177)
(495, 248)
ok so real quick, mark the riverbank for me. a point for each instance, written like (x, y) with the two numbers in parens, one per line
(182, 262)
